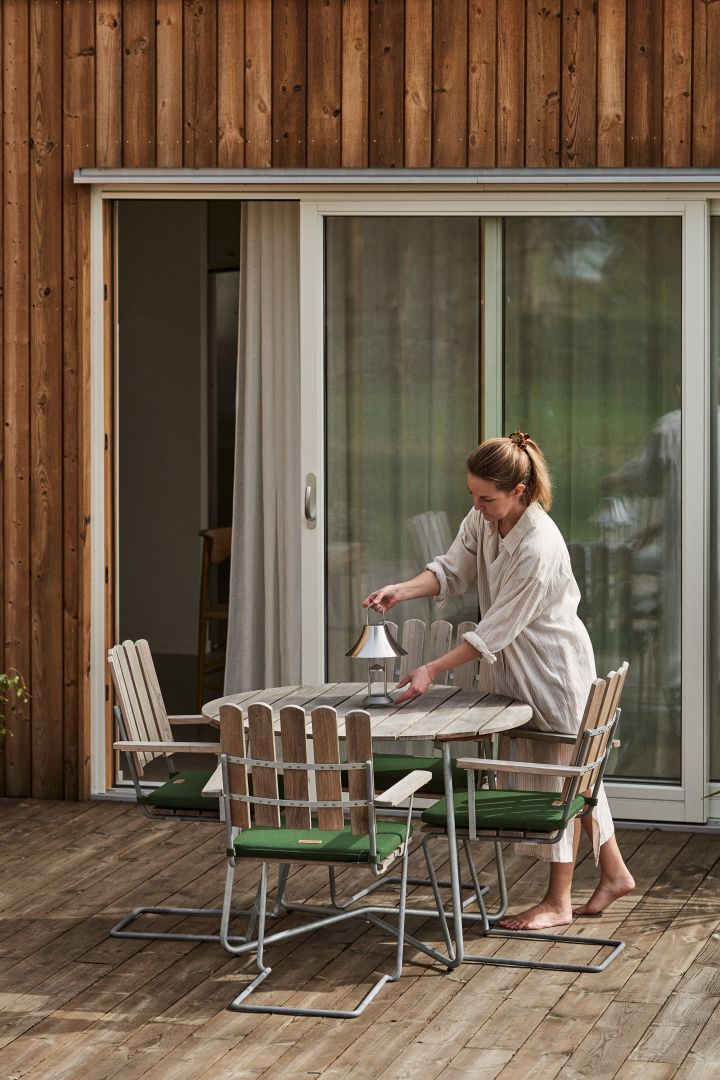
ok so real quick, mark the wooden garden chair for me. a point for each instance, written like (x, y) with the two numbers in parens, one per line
(537, 817)
(300, 829)
(145, 731)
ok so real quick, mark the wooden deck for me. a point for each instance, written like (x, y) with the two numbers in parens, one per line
(75, 1003)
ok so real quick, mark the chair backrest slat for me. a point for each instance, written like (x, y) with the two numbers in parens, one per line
(293, 741)
(359, 749)
(129, 704)
(153, 689)
(440, 640)
(598, 744)
(146, 711)
(391, 662)
(413, 641)
(232, 740)
(326, 749)
(264, 778)
(465, 676)
(600, 708)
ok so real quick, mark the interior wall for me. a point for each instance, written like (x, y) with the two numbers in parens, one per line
(162, 494)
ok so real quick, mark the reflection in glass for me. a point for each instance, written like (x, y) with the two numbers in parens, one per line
(402, 362)
(592, 325)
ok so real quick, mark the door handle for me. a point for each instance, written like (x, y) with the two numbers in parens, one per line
(311, 500)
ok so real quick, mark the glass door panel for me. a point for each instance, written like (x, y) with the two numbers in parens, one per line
(593, 360)
(402, 325)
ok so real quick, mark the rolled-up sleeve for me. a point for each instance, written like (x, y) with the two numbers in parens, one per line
(520, 600)
(456, 571)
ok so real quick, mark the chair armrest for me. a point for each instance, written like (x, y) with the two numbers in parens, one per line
(404, 788)
(521, 767)
(168, 748)
(214, 786)
(188, 720)
(539, 736)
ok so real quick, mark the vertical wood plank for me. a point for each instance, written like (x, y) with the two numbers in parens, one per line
(644, 84)
(324, 79)
(264, 778)
(482, 83)
(611, 23)
(231, 84)
(46, 284)
(440, 643)
(326, 751)
(289, 104)
(16, 384)
(258, 84)
(579, 61)
(706, 85)
(511, 84)
(359, 749)
(418, 83)
(386, 115)
(169, 89)
(108, 84)
(293, 740)
(78, 151)
(232, 740)
(355, 80)
(677, 84)
(450, 84)
(200, 84)
(138, 83)
(542, 124)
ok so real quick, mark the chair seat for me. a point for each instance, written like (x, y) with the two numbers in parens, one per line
(183, 791)
(518, 811)
(389, 768)
(320, 844)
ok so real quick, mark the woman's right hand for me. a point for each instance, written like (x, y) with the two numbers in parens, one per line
(383, 599)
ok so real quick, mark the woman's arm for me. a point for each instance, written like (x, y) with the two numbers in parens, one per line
(425, 584)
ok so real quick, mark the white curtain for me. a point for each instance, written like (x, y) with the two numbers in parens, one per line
(263, 646)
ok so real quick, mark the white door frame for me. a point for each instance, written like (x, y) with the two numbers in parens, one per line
(659, 802)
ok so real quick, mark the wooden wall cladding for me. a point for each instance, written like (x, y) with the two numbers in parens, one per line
(258, 84)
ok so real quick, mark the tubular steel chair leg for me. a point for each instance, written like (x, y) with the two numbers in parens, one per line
(119, 930)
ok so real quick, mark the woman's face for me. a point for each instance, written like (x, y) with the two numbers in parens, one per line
(494, 504)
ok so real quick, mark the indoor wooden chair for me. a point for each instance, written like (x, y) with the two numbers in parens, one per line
(145, 733)
(538, 817)
(216, 550)
(298, 828)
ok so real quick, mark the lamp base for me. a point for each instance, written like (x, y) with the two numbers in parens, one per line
(376, 699)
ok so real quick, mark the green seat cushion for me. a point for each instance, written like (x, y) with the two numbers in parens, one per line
(522, 811)
(389, 768)
(322, 844)
(183, 792)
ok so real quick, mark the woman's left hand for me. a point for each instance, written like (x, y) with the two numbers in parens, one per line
(417, 682)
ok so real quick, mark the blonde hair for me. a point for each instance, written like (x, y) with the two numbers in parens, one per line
(512, 460)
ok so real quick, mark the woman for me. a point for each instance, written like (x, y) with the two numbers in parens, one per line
(530, 641)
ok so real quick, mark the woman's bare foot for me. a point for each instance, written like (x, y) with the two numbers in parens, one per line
(539, 917)
(606, 893)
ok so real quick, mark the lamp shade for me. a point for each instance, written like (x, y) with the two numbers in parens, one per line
(375, 643)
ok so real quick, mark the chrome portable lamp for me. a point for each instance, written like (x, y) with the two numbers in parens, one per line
(376, 644)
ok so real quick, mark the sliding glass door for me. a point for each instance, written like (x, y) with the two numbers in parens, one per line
(441, 323)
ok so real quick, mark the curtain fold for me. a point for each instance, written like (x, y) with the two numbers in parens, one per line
(264, 621)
